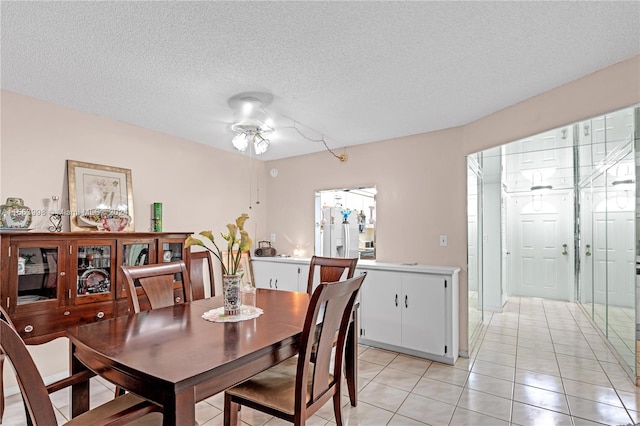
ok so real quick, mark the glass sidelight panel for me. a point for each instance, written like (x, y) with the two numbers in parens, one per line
(591, 167)
(474, 248)
(607, 235)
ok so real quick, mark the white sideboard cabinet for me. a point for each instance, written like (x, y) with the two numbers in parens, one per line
(280, 273)
(411, 309)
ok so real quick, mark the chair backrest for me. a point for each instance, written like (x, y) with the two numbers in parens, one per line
(329, 310)
(201, 274)
(34, 392)
(156, 282)
(331, 269)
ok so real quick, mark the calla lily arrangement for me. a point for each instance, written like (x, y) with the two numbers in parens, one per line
(237, 239)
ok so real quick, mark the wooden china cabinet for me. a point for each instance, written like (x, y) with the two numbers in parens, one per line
(52, 281)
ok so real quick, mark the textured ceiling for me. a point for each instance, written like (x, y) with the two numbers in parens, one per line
(351, 72)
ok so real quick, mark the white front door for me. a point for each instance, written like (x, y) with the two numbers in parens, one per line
(541, 246)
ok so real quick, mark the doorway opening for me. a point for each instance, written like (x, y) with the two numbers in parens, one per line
(553, 216)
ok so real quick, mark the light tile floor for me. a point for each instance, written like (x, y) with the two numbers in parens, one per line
(539, 362)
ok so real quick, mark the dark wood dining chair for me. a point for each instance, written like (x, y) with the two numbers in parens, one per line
(295, 389)
(330, 269)
(156, 282)
(127, 409)
(201, 274)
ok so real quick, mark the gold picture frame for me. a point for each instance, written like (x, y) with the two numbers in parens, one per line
(245, 269)
(95, 188)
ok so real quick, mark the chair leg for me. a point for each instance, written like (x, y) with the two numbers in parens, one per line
(337, 408)
(231, 410)
(119, 391)
(1, 387)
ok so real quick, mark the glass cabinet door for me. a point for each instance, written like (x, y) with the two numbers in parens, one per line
(94, 271)
(171, 250)
(134, 252)
(39, 274)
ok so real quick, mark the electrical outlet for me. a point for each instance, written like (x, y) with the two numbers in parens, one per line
(272, 238)
(443, 240)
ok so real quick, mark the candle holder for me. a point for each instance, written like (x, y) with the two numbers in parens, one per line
(55, 216)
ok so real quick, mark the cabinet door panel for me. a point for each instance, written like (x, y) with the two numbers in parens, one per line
(131, 252)
(276, 276)
(380, 307)
(423, 313)
(92, 272)
(37, 276)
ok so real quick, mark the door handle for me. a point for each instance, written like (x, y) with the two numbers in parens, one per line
(406, 301)
(276, 284)
(565, 250)
(396, 300)
(270, 279)
(587, 251)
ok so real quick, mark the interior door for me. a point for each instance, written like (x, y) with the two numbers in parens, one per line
(541, 244)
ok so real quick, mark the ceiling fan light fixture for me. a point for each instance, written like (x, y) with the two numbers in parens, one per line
(240, 142)
(251, 131)
(260, 144)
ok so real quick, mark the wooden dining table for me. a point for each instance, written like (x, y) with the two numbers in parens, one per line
(175, 358)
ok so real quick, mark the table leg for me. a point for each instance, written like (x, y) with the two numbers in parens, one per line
(351, 360)
(180, 409)
(79, 391)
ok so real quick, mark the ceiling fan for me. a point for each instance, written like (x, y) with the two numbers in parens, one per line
(254, 124)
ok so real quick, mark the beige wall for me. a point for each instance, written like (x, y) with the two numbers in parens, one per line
(420, 179)
(190, 179)
(200, 187)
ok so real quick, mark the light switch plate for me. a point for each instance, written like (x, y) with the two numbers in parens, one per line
(443, 240)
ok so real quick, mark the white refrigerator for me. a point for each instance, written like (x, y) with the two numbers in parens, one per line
(339, 238)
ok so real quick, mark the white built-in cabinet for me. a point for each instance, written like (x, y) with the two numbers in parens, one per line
(280, 273)
(411, 309)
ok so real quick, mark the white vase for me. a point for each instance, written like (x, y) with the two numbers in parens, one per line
(231, 293)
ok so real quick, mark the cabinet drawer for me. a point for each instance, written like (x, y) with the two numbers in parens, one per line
(34, 328)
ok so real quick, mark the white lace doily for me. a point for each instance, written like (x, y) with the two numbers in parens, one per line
(246, 313)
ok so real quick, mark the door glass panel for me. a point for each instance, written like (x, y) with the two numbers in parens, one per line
(474, 248)
(621, 272)
(94, 269)
(601, 154)
(37, 274)
(135, 254)
(599, 255)
(171, 252)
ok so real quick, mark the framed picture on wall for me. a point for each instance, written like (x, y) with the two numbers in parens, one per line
(100, 197)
